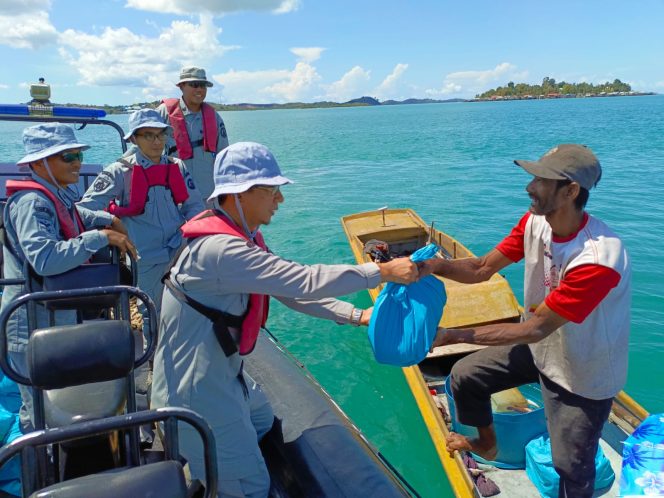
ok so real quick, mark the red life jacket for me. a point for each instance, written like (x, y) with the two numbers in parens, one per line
(210, 223)
(143, 179)
(67, 226)
(182, 142)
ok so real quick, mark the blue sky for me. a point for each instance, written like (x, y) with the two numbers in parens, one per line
(128, 51)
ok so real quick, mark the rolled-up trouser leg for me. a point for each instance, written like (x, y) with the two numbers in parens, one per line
(575, 426)
(477, 376)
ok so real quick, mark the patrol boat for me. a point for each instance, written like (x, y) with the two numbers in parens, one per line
(313, 449)
(518, 413)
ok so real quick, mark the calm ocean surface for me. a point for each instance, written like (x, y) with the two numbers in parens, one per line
(452, 163)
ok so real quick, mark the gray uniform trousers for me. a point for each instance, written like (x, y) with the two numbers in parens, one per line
(574, 422)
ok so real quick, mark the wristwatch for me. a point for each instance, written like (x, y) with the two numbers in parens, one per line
(356, 316)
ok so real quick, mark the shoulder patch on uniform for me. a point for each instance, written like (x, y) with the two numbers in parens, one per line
(222, 128)
(102, 181)
(44, 209)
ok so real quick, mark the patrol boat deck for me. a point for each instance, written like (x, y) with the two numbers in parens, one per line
(313, 448)
(468, 305)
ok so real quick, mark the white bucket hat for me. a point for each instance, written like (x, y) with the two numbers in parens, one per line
(47, 139)
(242, 165)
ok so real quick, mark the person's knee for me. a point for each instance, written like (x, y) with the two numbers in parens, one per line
(463, 373)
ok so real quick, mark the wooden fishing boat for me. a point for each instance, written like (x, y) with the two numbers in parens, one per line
(469, 305)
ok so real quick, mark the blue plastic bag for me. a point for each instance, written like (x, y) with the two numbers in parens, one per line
(539, 467)
(643, 459)
(405, 318)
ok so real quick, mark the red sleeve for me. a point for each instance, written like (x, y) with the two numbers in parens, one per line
(581, 290)
(512, 245)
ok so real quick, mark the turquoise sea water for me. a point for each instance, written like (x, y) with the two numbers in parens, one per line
(452, 163)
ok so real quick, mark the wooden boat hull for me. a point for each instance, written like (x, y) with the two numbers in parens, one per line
(467, 305)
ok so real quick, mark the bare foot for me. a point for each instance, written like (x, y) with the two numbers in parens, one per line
(456, 442)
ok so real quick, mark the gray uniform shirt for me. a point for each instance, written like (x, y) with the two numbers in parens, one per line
(33, 231)
(202, 163)
(220, 271)
(155, 232)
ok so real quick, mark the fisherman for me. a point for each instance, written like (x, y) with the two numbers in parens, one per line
(198, 130)
(574, 340)
(226, 273)
(46, 233)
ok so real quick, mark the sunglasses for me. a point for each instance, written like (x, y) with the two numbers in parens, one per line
(197, 84)
(152, 137)
(70, 157)
(273, 189)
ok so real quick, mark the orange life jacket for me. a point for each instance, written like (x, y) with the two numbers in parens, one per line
(70, 227)
(177, 121)
(143, 179)
(211, 223)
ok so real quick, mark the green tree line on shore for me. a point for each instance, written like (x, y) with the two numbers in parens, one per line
(550, 85)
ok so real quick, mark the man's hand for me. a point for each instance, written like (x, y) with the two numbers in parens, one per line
(427, 267)
(121, 241)
(399, 270)
(366, 316)
(118, 226)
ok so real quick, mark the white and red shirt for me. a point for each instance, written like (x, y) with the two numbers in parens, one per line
(585, 278)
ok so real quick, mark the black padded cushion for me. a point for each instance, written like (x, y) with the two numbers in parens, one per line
(90, 275)
(71, 355)
(155, 480)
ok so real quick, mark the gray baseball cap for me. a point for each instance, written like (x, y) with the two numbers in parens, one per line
(193, 74)
(566, 162)
(242, 165)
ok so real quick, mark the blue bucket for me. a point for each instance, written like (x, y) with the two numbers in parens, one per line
(513, 430)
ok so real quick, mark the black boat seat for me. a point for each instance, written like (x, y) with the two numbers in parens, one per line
(71, 355)
(159, 480)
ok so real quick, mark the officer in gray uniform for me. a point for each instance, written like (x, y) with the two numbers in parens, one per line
(155, 229)
(42, 231)
(190, 112)
(223, 272)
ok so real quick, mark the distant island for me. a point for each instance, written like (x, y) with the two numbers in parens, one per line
(551, 89)
(359, 102)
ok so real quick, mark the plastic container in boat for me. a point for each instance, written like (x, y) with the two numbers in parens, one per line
(513, 429)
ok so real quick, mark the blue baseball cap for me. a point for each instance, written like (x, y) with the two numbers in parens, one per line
(47, 139)
(144, 118)
(242, 165)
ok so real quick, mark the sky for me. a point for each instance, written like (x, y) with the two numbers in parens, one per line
(262, 51)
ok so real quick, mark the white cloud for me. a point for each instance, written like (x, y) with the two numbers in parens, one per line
(26, 24)
(216, 7)
(659, 84)
(122, 57)
(270, 86)
(472, 82)
(308, 54)
(3, 86)
(299, 85)
(389, 86)
(353, 84)
(245, 86)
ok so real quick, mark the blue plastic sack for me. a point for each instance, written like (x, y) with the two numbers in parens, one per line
(405, 318)
(643, 459)
(539, 467)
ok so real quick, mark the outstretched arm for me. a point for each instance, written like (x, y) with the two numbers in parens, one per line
(468, 270)
(542, 323)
